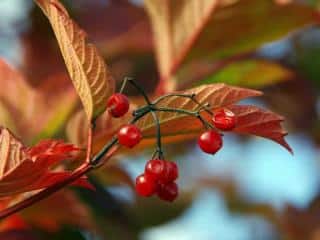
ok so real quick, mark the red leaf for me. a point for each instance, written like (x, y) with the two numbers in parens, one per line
(217, 95)
(52, 177)
(52, 151)
(24, 170)
(260, 122)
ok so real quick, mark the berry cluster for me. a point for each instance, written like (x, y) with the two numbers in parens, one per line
(160, 175)
(211, 140)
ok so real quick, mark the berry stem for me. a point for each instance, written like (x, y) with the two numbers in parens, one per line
(159, 145)
(186, 112)
(123, 85)
(137, 86)
(190, 96)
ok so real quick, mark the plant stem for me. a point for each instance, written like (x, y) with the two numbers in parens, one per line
(159, 145)
(186, 112)
(176, 110)
(190, 96)
(137, 86)
(97, 158)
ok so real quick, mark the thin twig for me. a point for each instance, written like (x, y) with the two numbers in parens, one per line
(192, 97)
(159, 145)
(137, 86)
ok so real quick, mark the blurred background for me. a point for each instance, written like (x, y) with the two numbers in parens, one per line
(252, 189)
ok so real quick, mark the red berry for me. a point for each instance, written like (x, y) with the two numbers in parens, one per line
(156, 169)
(224, 119)
(145, 185)
(168, 192)
(161, 170)
(172, 171)
(210, 141)
(118, 105)
(129, 135)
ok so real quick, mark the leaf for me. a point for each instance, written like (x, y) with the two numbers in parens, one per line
(251, 73)
(251, 24)
(260, 122)
(217, 95)
(251, 119)
(31, 111)
(175, 25)
(86, 67)
(26, 169)
(188, 30)
(15, 95)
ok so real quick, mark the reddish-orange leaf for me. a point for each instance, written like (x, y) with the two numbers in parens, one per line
(252, 120)
(260, 122)
(88, 72)
(217, 95)
(23, 169)
(52, 177)
(51, 151)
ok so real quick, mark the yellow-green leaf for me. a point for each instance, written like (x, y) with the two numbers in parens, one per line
(86, 67)
(251, 73)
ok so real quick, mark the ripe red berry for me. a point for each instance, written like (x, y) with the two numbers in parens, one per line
(145, 185)
(156, 168)
(168, 192)
(210, 141)
(161, 170)
(172, 171)
(129, 135)
(224, 119)
(118, 105)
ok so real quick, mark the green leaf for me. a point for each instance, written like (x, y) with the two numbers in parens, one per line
(251, 73)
